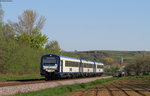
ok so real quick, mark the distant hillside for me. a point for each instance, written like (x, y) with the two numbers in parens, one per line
(100, 55)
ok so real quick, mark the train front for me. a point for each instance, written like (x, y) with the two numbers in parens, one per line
(50, 66)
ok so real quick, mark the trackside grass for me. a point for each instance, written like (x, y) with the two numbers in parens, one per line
(64, 89)
(24, 77)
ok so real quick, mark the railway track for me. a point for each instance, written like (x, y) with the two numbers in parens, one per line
(131, 87)
(33, 81)
(13, 87)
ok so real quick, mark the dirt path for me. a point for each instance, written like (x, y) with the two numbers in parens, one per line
(128, 87)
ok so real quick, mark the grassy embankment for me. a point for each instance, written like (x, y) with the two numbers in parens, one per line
(19, 61)
(24, 77)
(64, 89)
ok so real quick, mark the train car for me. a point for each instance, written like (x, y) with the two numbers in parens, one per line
(56, 66)
(88, 67)
(99, 68)
(69, 67)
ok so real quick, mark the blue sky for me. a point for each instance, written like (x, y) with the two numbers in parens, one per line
(90, 24)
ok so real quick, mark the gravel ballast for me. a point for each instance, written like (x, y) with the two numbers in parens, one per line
(33, 87)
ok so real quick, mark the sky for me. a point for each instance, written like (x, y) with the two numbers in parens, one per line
(90, 24)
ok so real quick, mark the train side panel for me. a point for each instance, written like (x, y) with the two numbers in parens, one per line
(88, 66)
(70, 65)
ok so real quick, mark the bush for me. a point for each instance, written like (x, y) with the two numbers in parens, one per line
(19, 59)
(139, 66)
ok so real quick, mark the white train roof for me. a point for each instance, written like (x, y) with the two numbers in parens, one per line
(76, 59)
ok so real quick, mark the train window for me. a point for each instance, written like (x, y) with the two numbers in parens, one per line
(88, 65)
(51, 60)
(100, 66)
(71, 64)
(70, 69)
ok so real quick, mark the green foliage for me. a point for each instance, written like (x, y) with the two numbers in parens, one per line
(8, 32)
(1, 21)
(53, 45)
(35, 40)
(140, 65)
(8, 77)
(28, 28)
(19, 59)
(115, 69)
(112, 70)
(2, 56)
(20, 52)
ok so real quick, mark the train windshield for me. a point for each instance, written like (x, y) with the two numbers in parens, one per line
(49, 61)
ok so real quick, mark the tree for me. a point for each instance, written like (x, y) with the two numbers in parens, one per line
(36, 40)
(1, 21)
(112, 69)
(53, 45)
(139, 65)
(8, 32)
(28, 22)
(142, 64)
(28, 29)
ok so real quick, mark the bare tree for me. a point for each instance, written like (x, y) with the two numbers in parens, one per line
(28, 22)
(1, 13)
(1, 20)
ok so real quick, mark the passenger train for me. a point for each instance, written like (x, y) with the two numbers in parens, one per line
(56, 66)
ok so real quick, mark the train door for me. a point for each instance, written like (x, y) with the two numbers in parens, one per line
(94, 68)
(61, 65)
(80, 67)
